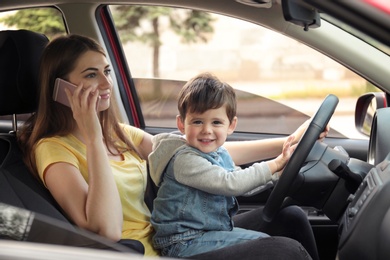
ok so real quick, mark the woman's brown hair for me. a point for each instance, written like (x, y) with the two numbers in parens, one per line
(51, 119)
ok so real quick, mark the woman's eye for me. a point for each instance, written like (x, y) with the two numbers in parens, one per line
(107, 72)
(91, 75)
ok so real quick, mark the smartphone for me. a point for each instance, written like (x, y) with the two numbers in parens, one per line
(59, 94)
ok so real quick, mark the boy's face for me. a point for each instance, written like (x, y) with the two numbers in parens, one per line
(207, 131)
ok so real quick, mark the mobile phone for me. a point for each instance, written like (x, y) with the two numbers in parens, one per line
(59, 94)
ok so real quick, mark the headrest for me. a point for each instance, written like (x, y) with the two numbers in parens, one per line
(20, 53)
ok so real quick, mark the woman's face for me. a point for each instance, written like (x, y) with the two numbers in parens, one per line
(93, 70)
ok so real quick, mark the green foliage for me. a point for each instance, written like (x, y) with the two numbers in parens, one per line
(195, 26)
(371, 87)
(142, 23)
(134, 23)
(315, 92)
(43, 20)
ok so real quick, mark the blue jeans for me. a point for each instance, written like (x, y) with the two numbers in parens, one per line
(211, 240)
(289, 229)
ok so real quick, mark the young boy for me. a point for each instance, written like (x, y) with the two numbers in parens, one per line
(197, 177)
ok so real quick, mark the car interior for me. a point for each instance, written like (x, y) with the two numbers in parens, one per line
(348, 204)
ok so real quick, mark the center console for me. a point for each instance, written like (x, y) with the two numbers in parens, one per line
(365, 226)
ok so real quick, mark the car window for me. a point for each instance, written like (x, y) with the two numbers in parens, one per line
(279, 81)
(45, 20)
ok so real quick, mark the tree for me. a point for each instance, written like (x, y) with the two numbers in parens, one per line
(132, 23)
(142, 23)
(47, 21)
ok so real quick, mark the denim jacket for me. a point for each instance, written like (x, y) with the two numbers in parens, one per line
(197, 190)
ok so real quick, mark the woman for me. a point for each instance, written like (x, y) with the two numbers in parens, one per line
(94, 166)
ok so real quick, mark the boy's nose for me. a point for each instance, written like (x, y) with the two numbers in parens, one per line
(206, 129)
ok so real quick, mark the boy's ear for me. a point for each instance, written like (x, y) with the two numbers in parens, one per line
(232, 126)
(180, 124)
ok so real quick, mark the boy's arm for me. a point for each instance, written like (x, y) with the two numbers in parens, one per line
(243, 152)
(195, 171)
(199, 173)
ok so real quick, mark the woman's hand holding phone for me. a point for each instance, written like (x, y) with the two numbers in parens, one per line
(81, 100)
(59, 93)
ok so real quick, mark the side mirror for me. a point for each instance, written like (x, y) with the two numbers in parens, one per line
(366, 107)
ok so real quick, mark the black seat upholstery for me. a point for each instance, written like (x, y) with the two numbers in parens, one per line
(19, 188)
(20, 52)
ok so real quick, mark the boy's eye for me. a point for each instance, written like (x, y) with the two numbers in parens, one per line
(217, 122)
(197, 122)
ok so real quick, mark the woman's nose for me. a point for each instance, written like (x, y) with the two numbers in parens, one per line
(105, 82)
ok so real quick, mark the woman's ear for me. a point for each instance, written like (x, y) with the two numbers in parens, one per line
(232, 126)
(180, 124)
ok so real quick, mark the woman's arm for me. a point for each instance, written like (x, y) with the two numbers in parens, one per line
(145, 147)
(95, 206)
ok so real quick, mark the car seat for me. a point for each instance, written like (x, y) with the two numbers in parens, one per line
(22, 196)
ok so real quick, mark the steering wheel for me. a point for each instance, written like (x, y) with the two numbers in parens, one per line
(291, 170)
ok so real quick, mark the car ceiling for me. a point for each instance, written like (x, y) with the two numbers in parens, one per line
(344, 49)
(370, 16)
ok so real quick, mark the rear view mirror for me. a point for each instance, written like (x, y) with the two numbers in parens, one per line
(366, 107)
(300, 13)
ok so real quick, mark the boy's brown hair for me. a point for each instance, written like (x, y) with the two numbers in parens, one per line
(205, 92)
